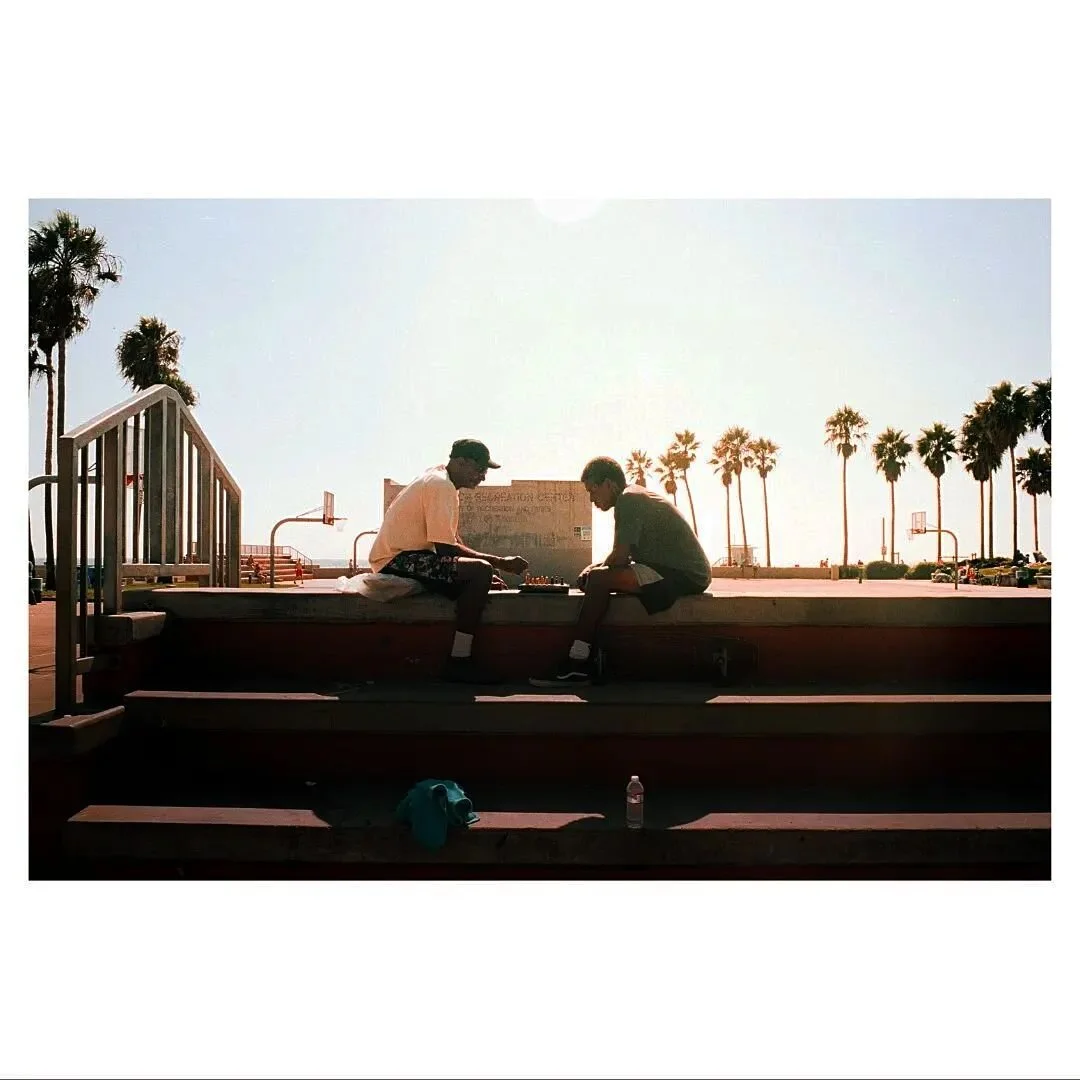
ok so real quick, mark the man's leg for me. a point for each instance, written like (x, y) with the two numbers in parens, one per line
(474, 576)
(601, 582)
(599, 586)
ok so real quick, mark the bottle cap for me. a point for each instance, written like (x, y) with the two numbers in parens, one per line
(633, 778)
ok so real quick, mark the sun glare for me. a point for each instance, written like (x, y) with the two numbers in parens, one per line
(564, 211)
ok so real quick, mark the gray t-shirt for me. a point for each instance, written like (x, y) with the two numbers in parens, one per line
(658, 535)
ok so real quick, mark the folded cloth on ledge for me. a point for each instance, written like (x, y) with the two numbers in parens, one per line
(380, 587)
(432, 807)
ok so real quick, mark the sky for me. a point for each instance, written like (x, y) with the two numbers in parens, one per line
(333, 343)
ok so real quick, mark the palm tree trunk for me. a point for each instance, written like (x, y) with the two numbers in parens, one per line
(693, 516)
(768, 543)
(1035, 508)
(727, 492)
(61, 384)
(982, 522)
(50, 412)
(990, 515)
(742, 516)
(892, 521)
(845, 511)
(1012, 466)
(937, 480)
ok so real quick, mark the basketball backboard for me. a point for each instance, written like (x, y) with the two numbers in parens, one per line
(328, 507)
(918, 523)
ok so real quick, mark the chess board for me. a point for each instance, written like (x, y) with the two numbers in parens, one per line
(544, 590)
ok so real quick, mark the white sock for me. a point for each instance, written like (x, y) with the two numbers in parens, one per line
(462, 645)
(579, 650)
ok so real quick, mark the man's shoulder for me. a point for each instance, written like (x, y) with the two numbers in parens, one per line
(436, 478)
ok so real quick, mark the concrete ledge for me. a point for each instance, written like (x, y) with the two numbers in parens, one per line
(650, 709)
(553, 837)
(126, 627)
(78, 733)
(921, 605)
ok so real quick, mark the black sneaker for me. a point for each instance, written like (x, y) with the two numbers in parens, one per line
(464, 669)
(568, 673)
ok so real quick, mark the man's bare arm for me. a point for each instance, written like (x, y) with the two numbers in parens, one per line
(512, 564)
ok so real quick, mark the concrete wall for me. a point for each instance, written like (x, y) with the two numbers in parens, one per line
(825, 573)
(548, 522)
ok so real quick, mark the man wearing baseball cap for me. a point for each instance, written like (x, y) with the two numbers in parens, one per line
(419, 539)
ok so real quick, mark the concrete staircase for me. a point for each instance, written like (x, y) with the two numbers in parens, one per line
(284, 729)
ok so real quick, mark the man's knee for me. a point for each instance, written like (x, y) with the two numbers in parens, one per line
(598, 580)
(475, 573)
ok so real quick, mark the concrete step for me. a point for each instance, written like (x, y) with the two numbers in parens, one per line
(677, 733)
(681, 838)
(319, 639)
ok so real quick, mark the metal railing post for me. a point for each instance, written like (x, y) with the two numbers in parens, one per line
(367, 532)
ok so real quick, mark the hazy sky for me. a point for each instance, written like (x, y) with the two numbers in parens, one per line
(334, 343)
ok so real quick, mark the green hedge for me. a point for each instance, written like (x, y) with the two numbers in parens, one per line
(879, 570)
(922, 571)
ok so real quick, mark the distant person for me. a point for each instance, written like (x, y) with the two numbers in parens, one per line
(419, 539)
(656, 557)
(298, 572)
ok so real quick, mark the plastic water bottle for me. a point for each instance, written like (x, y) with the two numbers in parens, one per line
(635, 803)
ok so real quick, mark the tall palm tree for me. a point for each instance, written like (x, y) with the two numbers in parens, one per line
(637, 464)
(762, 456)
(845, 429)
(49, 319)
(684, 449)
(891, 449)
(730, 449)
(149, 354)
(1010, 419)
(725, 479)
(667, 470)
(936, 446)
(977, 451)
(73, 263)
(1040, 408)
(1033, 469)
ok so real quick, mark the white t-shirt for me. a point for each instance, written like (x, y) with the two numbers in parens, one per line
(424, 513)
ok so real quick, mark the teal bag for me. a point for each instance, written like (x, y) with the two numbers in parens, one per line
(432, 807)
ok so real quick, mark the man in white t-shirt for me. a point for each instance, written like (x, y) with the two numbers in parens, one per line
(419, 539)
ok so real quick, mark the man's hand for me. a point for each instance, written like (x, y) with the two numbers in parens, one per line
(513, 564)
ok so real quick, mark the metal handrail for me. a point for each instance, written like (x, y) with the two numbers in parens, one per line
(208, 502)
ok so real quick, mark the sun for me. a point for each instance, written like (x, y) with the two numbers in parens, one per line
(565, 211)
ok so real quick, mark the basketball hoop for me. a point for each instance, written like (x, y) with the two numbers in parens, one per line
(339, 524)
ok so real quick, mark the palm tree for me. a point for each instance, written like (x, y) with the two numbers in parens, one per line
(667, 470)
(637, 464)
(936, 446)
(1034, 472)
(762, 456)
(977, 451)
(1040, 408)
(1010, 419)
(73, 263)
(845, 429)
(47, 324)
(730, 449)
(890, 451)
(149, 355)
(684, 451)
(725, 479)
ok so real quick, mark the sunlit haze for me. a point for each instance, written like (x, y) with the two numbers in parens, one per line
(335, 343)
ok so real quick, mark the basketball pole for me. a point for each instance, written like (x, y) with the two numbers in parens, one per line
(956, 548)
(283, 521)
